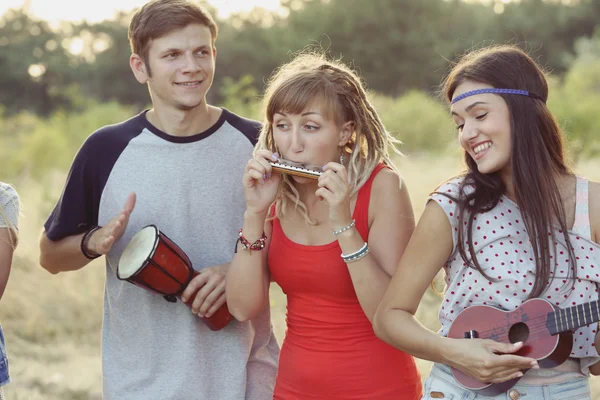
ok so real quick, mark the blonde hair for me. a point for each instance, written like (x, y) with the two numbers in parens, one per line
(312, 77)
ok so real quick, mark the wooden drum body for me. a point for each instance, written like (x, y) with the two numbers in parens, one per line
(154, 262)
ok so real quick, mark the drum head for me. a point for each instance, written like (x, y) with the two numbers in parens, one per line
(138, 251)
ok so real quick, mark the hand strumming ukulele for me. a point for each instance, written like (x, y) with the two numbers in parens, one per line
(545, 330)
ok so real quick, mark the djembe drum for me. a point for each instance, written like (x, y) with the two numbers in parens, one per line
(154, 262)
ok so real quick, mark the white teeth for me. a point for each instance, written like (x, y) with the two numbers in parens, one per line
(188, 83)
(482, 147)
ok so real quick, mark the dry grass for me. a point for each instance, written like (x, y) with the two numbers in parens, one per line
(52, 323)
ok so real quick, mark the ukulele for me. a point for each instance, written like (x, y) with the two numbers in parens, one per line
(293, 168)
(545, 330)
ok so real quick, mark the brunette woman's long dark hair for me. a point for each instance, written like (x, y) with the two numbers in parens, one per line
(537, 157)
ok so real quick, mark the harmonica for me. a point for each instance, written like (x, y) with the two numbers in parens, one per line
(293, 168)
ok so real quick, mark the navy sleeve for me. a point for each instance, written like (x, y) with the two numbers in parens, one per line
(250, 128)
(78, 206)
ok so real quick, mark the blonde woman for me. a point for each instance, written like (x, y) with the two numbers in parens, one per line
(295, 229)
(9, 212)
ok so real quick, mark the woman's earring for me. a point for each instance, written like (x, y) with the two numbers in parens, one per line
(342, 158)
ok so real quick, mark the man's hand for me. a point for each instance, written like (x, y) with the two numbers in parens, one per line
(102, 240)
(207, 291)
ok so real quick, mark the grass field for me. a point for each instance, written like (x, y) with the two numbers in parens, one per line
(52, 323)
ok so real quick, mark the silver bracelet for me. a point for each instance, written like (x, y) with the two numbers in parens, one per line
(344, 229)
(357, 255)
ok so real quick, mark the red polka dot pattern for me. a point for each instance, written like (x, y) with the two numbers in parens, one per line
(505, 253)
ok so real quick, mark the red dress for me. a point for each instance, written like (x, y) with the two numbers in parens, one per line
(330, 351)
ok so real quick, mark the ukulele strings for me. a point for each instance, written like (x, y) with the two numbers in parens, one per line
(559, 320)
(538, 324)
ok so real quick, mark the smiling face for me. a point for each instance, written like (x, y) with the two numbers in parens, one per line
(182, 64)
(484, 128)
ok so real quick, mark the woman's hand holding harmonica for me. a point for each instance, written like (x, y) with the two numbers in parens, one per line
(335, 190)
(260, 184)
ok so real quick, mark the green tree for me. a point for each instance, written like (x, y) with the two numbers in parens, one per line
(575, 100)
(34, 65)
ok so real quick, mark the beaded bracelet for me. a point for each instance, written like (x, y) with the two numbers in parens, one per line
(257, 245)
(344, 229)
(357, 255)
(90, 255)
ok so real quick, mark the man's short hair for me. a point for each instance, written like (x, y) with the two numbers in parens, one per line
(159, 17)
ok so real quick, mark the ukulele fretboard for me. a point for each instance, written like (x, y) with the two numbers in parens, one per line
(571, 318)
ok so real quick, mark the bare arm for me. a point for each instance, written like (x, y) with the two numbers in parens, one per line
(247, 282)
(62, 255)
(594, 202)
(65, 254)
(594, 206)
(393, 224)
(6, 256)
(395, 322)
(595, 369)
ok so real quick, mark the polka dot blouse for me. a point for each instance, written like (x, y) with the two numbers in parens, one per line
(505, 253)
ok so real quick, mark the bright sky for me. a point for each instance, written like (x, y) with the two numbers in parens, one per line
(94, 11)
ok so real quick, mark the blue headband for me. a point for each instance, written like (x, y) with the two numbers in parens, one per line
(496, 91)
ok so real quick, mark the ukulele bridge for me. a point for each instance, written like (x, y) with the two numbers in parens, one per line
(472, 334)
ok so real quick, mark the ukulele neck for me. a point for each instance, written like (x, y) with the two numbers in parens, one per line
(571, 318)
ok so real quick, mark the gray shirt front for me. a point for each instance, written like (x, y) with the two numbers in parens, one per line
(190, 188)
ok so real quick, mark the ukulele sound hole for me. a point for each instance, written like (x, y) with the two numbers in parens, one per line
(519, 332)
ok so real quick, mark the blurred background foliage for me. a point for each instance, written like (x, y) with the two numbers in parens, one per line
(60, 83)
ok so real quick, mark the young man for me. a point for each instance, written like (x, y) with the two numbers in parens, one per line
(177, 166)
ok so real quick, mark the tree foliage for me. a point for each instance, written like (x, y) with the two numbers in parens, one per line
(398, 46)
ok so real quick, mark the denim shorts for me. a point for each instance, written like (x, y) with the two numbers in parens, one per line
(4, 378)
(441, 385)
